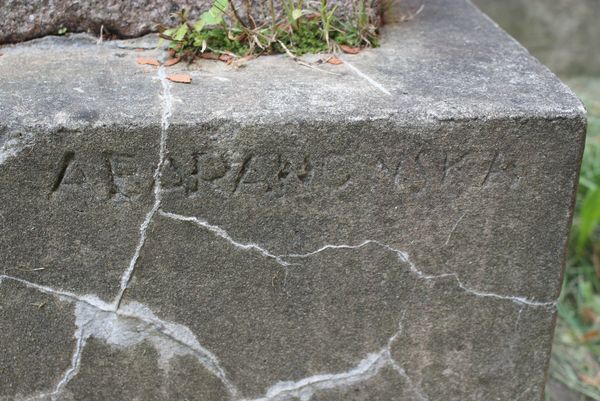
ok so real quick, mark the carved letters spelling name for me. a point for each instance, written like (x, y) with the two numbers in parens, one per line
(123, 178)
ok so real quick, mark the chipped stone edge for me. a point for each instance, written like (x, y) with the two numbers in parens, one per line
(13, 146)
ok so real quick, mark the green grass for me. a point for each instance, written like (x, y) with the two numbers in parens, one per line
(290, 26)
(576, 351)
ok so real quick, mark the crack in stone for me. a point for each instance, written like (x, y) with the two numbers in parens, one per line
(167, 111)
(223, 234)
(367, 78)
(130, 325)
(98, 319)
(75, 361)
(305, 388)
(454, 228)
(399, 369)
(402, 256)
(366, 369)
(70, 373)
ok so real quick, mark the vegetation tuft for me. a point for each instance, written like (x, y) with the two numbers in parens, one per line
(291, 27)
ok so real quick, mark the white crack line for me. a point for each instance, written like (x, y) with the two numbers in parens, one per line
(367, 78)
(305, 388)
(167, 111)
(366, 369)
(454, 228)
(75, 363)
(402, 256)
(223, 234)
(399, 369)
(70, 372)
(130, 325)
(518, 319)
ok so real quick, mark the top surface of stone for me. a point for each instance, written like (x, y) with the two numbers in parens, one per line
(448, 63)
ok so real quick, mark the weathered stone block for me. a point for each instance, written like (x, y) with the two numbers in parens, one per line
(389, 229)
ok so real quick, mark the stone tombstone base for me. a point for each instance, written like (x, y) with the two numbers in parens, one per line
(388, 229)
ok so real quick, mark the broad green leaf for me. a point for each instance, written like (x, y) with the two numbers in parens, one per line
(181, 32)
(199, 25)
(221, 5)
(214, 16)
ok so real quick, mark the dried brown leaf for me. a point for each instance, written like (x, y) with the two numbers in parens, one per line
(349, 49)
(226, 58)
(334, 61)
(241, 62)
(209, 56)
(180, 78)
(172, 61)
(147, 61)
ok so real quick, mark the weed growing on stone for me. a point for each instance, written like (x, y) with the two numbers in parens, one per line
(291, 26)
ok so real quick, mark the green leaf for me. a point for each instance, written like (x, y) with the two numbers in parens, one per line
(199, 25)
(221, 5)
(181, 32)
(297, 13)
(589, 217)
(213, 16)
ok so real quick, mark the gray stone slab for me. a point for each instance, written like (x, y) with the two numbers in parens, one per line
(393, 228)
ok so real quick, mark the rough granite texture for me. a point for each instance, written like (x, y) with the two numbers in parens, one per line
(389, 229)
(27, 19)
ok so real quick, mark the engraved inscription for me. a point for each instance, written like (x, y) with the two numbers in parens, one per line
(106, 176)
(410, 173)
(186, 173)
(63, 167)
(124, 182)
(428, 170)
